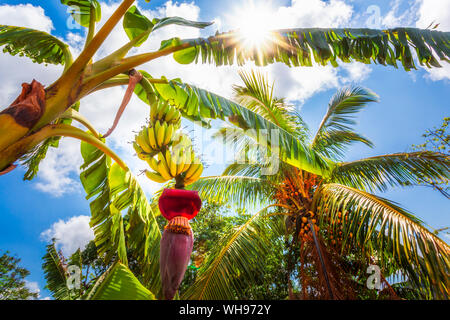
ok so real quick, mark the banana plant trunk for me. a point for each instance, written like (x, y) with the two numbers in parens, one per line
(178, 206)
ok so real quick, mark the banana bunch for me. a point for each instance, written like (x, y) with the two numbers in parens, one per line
(166, 150)
(154, 138)
(180, 162)
(163, 111)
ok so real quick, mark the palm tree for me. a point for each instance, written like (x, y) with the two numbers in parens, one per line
(334, 226)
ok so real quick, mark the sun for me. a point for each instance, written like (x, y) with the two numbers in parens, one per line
(253, 22)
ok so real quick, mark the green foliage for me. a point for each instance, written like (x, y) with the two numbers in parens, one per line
(119, 283)
(398, 169)
(215, 222)
(335, 131)
(81, 10)
(298, 47)
(116, 190)
(233, 264)
(12, 279)
(56, 274)
(438, 141)
(417, 251)
(375, 227)
(39, 46)
(134, 24)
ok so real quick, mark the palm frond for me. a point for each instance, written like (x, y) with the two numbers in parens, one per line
(240, 254)
(335, 130)
(242, 190)
(334, 143)
(298, 47)
(398, 169)
(257, 96)
(55, 274)
(420, 253)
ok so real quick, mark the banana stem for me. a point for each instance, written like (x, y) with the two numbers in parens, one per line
(88, 52)
(128, 64)
(15, 151)
(91, 31)
(75, 115)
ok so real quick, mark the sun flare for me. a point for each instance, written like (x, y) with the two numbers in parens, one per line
(253, 21)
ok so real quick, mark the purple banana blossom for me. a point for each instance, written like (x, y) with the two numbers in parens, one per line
(178, 206)
(175, 253)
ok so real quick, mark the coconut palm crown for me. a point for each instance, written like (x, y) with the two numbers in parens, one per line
(337, 207)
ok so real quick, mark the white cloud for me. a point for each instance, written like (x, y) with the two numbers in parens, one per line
(70, 235)
(33, 287)
(25, 15)
(434, 11)
(56, 172)
(401, 16)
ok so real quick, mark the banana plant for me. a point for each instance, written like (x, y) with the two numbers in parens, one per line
(326, 219)
(40, 115)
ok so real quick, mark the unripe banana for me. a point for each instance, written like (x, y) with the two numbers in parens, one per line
(143, 142)
(137, 148)
(152, 138)
(152, 163)
(155, 176)
(161, 132)
(180, 162)
(193, 167)
(163, 168)
(171, 164)
(169, 133)
(195, 176)
(170, 114)
(163, 110)
(140, 153)
(153, 112)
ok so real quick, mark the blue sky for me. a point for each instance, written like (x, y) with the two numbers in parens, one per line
(410, 103)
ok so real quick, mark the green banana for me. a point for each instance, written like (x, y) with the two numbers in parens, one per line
(170, 114)
(194, 177)
(155, 176)
(192, 168)
(163, 168)
(163, 110)
(152, 138)
(153, 112)
(171, 164)
(152, 163)
(161, 132)
(169, 133)
(142, 142)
